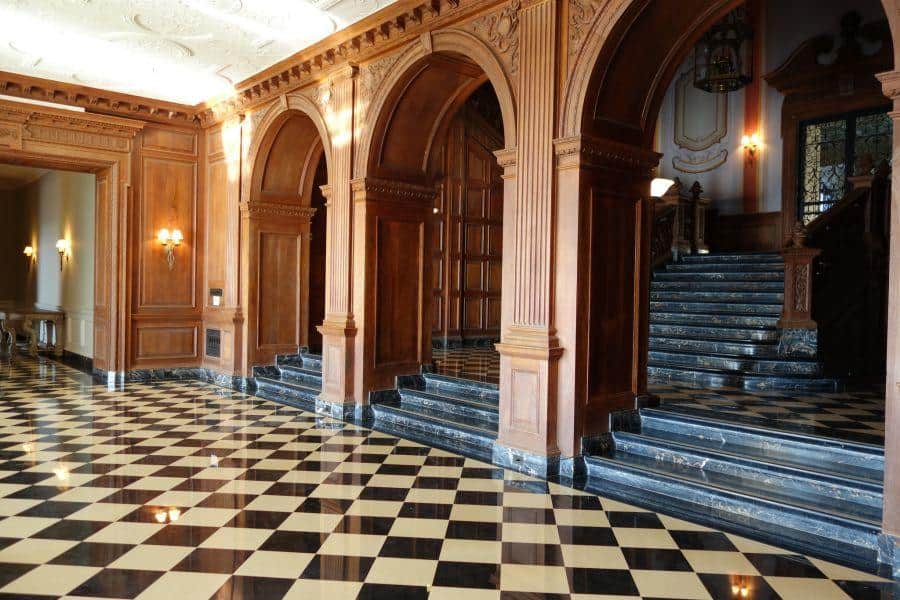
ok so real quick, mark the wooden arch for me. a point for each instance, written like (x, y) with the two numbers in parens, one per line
(277, 211)
(388, 120)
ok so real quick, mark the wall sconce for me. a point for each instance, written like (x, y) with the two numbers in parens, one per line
(751, 144)
(169, 240)
(215, 296)
(62, 246)
(659, 187)
(29, 252)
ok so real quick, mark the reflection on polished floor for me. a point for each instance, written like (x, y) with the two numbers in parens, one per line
(184, 490)
(856, 414)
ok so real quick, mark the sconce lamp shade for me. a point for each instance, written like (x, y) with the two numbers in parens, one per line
(659, 186)
(28, 251)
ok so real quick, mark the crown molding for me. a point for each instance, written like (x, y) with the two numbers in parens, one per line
(96, 100)
(379, 33)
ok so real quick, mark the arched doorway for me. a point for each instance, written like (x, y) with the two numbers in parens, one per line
(432, 202)
(610, 111)
(283, 239)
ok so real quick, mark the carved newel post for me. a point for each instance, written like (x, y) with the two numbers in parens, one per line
(798, 329)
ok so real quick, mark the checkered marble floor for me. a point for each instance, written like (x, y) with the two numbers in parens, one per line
(856, 415)
(182, 490)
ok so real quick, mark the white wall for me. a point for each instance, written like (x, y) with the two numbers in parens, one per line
(787, 24)
(61, 205)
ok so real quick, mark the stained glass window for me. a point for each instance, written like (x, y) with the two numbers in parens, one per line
(829, 147)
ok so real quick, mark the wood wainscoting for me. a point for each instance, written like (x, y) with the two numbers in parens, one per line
(752, 232)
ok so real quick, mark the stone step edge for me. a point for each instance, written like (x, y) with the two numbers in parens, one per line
(808, 474)
(403, 413)
(809, 439)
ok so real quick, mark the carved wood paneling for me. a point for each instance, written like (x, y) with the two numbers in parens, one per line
(157, 343)
(278, 282)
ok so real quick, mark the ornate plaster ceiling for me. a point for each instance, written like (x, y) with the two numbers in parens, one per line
(182, 51)
(13, 176)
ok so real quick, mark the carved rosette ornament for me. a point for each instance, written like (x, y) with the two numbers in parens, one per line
(501, 30)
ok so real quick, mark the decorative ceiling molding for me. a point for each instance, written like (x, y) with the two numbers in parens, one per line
(95, 100)
(368, 39)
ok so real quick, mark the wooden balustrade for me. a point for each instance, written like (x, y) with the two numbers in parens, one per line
(835, 279)
(679, 225)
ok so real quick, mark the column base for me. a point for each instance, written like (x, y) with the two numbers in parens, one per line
(798, 343)
(536, 465)
(338, 337)
(343, 411)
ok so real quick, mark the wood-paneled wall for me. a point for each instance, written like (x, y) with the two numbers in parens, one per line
(166, 308)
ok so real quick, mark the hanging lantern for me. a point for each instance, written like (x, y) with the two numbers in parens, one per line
(723, 58)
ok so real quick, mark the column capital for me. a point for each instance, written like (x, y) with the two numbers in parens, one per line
(585, 150)
(890, 83)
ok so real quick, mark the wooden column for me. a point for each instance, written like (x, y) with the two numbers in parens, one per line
(339, 328)
(529, 348)
(891, 519)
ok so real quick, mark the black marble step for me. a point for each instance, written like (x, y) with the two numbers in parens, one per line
(734, 364)
(724, 267)
(702, 345)
(746, 297)
(716, 308)
(468, 408)
(301, 375)
(852, 461)
(472, 437)
(292, 393)
(743, 257)
(695, 495)
(446, 385)
(721, 276)
(712, 378)
(700, 332)
(832, 494)
(694, 319)
(305, 359)
(689, 285)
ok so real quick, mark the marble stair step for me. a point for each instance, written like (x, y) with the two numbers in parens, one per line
(716, 308)
(312, 361)
(689, 285)
(664, 373)
(721, 277)
(696, 495)
(295, 394)
(800, 487)
(853, 461)
(715, 320)
(699, 332)
(452, 406)
(304, 359)
(469, 436)
(734, 364)
(746, 297)
(706, 346)
(724, 267)
(446, 385)
(301, 375)
(741, 257)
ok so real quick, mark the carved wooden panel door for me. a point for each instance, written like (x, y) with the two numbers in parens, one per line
(482, 243)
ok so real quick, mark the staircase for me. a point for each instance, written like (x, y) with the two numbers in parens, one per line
(813, 494)
(456, 414)
(713, 321)
(295, 379)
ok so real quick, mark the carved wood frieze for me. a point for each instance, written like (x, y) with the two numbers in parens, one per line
(500, 29)
(19, 124)
(607, 154)
(369, 187)
(272, 209)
